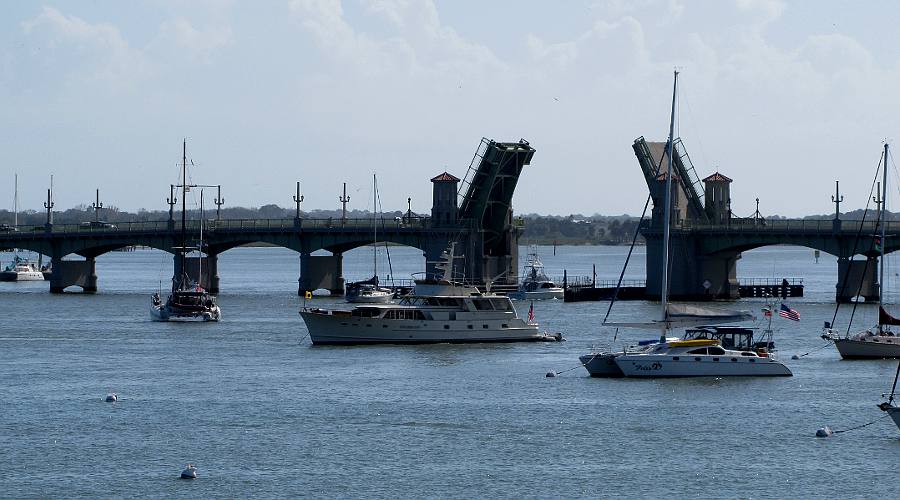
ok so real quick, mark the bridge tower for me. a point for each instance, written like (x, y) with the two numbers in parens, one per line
(718, 198)
(694, 274)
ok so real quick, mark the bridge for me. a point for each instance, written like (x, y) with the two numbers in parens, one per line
(476, 216)
(707, 239)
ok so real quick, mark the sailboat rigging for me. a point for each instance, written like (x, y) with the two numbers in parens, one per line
(879, 342)
(368, 291)
(188, 301)
(21, 268)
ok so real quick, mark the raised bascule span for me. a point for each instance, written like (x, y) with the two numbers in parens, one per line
(708, 239)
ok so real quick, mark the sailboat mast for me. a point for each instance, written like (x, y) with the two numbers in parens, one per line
(881, 221)
(375, 224)
(16, 202)
(183, 209)
(667, 215)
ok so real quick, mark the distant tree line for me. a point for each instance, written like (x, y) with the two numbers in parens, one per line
(578, 230)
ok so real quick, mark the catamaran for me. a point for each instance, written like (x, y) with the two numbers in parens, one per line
(674, 357)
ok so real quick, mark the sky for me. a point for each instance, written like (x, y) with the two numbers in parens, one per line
(783, 97)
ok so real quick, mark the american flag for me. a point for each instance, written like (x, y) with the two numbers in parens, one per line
(531, 313)
(787, 312)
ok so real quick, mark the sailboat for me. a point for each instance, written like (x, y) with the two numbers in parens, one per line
(703, 355)
(188, 301)
(368, 291)
(878, 342)
(21, 268)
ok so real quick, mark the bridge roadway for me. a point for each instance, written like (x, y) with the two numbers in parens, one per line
(705, 253)
(62, 241)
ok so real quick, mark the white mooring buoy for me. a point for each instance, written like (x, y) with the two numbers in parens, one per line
(189, 472)
(112, 397)
(551, 374)
(824, 432)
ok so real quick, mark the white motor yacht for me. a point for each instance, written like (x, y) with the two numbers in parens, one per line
(699, 358)
(436, 312)
(535, 284)
(21, 269)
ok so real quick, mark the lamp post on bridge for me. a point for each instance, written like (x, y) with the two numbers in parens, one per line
(171, 201)
(49, 205)
(298, 199)
(344, 199)
(409, 210)
(836, 198)
(878, 201)
(219, 201)
(97, 206)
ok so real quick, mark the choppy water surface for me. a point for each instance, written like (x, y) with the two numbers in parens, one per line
(262, 413)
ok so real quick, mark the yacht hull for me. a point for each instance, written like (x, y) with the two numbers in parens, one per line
(21, 276)
(651, 366)
(165, 314)
(370, 299)
(328, 329)
(883, 347)
(554, 293)
(602, 365)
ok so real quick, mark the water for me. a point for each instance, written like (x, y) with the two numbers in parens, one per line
(262, 413)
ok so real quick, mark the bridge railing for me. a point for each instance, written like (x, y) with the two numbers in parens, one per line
(784, 225)
(224, 224)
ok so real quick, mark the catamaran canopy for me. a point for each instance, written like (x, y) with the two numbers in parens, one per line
(682, 315)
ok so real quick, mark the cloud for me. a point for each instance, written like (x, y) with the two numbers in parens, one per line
(75, 49)
(178, 35)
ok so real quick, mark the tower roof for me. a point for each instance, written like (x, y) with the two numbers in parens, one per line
(717, 177)
(445, 177)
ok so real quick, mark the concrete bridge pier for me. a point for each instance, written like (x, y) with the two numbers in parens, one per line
(67, 273)
(857, 278)
(693, 275)
(203, 270)
(321, 271)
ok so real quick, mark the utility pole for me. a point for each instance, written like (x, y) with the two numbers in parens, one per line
(219, 201)
(344, 199)
(97, 206)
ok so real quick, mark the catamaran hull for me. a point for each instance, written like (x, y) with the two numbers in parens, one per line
(602, 364)
(21, 276)
(165, 314)
(326, 329)
(883, 347)
(649, 366)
